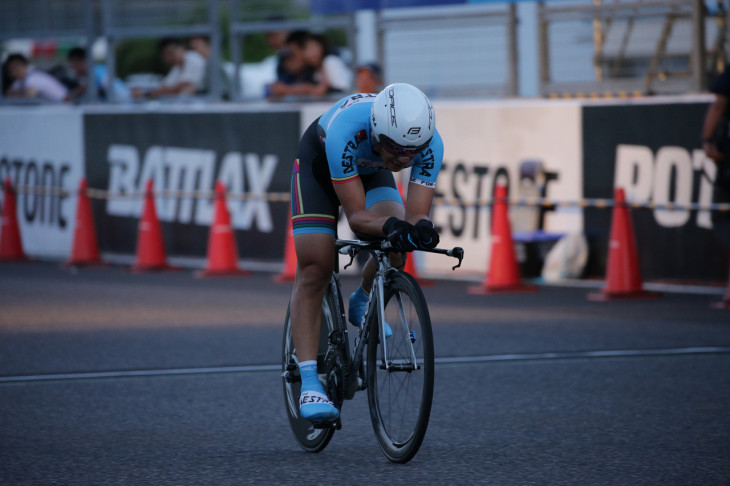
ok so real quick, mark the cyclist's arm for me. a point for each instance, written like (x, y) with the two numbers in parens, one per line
(423, 181)
(352, 197)
(418, 204)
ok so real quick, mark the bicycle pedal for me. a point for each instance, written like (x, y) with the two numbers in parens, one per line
(333, 424)
(291, 377)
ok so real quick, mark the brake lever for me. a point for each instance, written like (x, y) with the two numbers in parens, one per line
(351, 252)
(458, 253)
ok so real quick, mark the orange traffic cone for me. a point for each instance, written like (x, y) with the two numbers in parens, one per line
(725, 302)
(623, 277)
(151, 253)
(222, 251)
(289, 271)
(11, 244)
(85, 250)
(504, 273)
(410, 268)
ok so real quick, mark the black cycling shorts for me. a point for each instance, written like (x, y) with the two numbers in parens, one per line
(314, 203)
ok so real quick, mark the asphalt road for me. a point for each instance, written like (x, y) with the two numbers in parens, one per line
(112, 378)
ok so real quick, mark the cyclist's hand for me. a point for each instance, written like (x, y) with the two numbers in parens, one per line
(401, 234)
(427, 236)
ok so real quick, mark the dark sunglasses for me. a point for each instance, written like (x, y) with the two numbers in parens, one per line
(395, 149)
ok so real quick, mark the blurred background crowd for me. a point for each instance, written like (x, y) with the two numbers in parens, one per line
(136, 50)
(300, 65)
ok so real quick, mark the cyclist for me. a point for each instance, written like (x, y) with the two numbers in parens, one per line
(347, 157)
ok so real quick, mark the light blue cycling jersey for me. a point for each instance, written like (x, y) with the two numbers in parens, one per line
(345, 128)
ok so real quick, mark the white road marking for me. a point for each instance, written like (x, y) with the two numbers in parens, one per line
(457, 360)
(582, 354)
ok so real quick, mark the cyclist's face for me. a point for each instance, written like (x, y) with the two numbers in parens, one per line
(393, 162)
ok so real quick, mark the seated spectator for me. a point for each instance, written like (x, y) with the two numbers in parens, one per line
(29, 82)
(369, 78)
(201, 45)
(276, 38)
(64, 75)
(6, 79)
(293, 76)
(186, 76)
(331, 73)
(79, 65)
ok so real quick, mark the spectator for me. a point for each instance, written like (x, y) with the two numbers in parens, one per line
(716, 144)
(292, 68)
(331, 73)
(369, 78)
(29, 82)
(6, 79)
(64, 75)
(276, 38)
(293, 76)
(78, 62)
(187, 73)
(201, 45)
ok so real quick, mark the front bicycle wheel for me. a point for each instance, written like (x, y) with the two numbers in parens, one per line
(310, 438)
(400, 370)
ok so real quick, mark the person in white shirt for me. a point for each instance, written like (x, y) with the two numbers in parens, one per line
(310, 69)
(29, 82)
(331, 71)
(187, 73)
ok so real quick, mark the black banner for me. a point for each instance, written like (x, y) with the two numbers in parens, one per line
(251, 153)
(654, 152)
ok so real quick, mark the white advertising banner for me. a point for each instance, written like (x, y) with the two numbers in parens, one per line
(487, 142)
(43, 147)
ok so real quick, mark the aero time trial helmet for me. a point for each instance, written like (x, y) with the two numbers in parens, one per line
(402, 117)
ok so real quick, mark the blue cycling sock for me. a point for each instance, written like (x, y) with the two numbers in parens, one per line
(314, 404)
(308, 372)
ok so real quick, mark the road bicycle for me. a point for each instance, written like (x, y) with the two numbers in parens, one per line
(397, 372)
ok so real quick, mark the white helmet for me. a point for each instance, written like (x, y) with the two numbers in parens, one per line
(403, 114)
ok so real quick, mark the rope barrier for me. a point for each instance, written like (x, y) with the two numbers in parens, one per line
(584, 203)
(285, 197)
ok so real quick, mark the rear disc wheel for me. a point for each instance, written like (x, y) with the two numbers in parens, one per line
(309, 437)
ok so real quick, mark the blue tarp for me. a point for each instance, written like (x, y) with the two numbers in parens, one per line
(329, 7)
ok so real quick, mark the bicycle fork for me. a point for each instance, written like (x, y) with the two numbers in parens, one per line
(379, 295)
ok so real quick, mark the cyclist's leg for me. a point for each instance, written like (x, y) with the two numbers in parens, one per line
(382, 208)
(314, 216)
(382, 198)
(315, 262)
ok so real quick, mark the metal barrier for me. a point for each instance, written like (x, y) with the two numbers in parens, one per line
(590, 47)
(641, 47)
(239, 29)
(455, 50)
(126, 19)
(60, 19)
